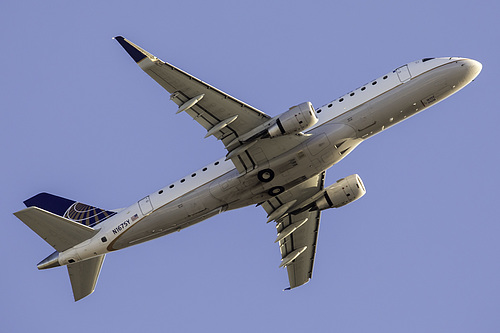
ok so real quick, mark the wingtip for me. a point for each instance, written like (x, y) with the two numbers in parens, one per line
(131, 49)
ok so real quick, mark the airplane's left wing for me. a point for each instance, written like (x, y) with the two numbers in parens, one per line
(222, 115)
(298, 231)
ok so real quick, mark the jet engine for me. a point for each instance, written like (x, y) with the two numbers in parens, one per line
(344, 191)
(295, 120)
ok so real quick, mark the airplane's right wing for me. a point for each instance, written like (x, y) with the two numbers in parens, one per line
(220, 114)
(238, 125)
(298, 232)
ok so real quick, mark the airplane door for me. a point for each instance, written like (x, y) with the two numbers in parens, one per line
(403, 73)
(145, 205)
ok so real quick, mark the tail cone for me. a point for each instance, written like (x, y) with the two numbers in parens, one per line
(49, 262)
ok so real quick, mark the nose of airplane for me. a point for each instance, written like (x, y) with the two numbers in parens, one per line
(473, 68)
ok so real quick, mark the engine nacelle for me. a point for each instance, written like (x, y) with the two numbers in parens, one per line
(344, 191)
(295, 120)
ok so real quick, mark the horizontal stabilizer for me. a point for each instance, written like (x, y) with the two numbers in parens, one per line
(84, 275)
(59, 232)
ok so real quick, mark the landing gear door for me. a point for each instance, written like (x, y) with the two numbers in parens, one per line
(145, 206)
(403, 73)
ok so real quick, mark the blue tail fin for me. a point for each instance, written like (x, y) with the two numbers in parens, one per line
(70, 209)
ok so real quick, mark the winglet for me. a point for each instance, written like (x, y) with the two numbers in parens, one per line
(133, 50)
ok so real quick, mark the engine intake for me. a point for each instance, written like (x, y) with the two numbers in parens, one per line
(295, 120)
(344, 191)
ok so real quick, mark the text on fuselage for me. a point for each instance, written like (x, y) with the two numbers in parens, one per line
(121, 226)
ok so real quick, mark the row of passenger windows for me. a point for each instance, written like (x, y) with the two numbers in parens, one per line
(353, 93)
(193, 175)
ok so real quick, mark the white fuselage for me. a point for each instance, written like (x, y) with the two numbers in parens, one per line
(343, 124)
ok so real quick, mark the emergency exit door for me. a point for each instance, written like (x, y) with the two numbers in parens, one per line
(403, 73)
(145, 205)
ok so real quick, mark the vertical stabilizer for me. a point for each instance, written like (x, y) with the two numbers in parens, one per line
(62, 234)
(76, 211)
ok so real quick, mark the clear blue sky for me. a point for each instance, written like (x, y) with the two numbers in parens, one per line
(419, 253)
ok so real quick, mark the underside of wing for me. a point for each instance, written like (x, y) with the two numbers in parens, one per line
(220, 114)
(303, 240)
(297, 229)
(242, 128)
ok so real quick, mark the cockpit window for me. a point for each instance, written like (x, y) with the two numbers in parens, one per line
(426, 59)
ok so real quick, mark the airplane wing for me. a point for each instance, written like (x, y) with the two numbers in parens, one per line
(235, 123)
(298, 232)
(210, 106)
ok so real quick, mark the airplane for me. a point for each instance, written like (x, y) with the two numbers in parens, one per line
(277, 163)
